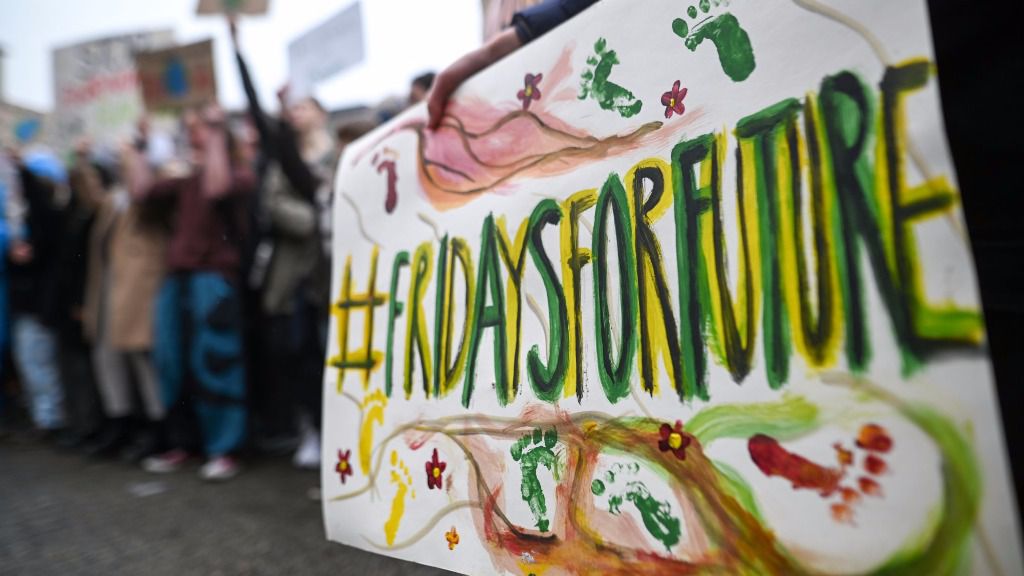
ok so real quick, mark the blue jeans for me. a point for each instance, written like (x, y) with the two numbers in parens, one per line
(198, 355)
(35, 353)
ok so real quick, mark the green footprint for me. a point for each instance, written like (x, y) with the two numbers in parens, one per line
(730, 39)
(656, 515)
(542, 454)
(595, 83)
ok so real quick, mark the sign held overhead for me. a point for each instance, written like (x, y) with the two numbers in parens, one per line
(326, 50)
(178, 77)
(250, 7)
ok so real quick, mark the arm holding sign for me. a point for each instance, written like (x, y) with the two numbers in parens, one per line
(278, 142)
(216, 179)
(527, 26)
(259, 117)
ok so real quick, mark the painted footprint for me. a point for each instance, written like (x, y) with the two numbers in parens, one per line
(401, 478)
(730, 39)
(532, 450)
(619, 486)
(595, 83)
(373, 415)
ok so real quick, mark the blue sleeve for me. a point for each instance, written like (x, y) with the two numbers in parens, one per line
(538, 20)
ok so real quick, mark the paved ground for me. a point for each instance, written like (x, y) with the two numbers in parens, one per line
(62, 514)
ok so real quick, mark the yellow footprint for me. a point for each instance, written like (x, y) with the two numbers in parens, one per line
(399, 477)
(373, 416)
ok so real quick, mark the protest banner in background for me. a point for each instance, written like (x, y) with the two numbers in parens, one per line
(97, 88)
(177, 77)
(250, 7)
(673, 290)
(332, 47)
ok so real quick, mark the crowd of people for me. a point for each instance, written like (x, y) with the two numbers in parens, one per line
(169, 299)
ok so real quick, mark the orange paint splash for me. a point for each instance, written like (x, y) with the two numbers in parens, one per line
(849, 495)
(842, 513)
(869, 486)
(843, 456)
(874, 438)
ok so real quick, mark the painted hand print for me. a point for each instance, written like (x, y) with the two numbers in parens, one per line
(735, 333)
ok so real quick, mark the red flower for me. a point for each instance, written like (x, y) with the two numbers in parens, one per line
(435, 469)
(673, 100)
(530, 92)
(343, 468)
(674, 440)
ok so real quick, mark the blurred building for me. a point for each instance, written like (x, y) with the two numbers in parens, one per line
(19, 124)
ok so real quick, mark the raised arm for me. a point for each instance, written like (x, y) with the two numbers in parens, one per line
(259, 117)
(138, 177)
(453, 76)
(216, 178)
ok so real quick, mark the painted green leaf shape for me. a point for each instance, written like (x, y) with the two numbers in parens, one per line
(944, 552)
(788, 418)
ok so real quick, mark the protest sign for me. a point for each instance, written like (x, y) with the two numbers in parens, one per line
(177, 77)
(97, 88)
(249, 7)
(330, 48)
(675, 290)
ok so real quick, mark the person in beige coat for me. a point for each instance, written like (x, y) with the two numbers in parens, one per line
(126, 267)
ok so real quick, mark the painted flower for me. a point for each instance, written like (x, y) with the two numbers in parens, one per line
(435, 470)
(452, 537)
(673, 100)
(674, 440)
(530, 92)
(343, 468)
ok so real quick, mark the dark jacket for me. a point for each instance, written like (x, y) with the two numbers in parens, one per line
(33, 286)
(538, 20)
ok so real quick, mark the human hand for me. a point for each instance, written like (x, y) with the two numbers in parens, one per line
(458, 72)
